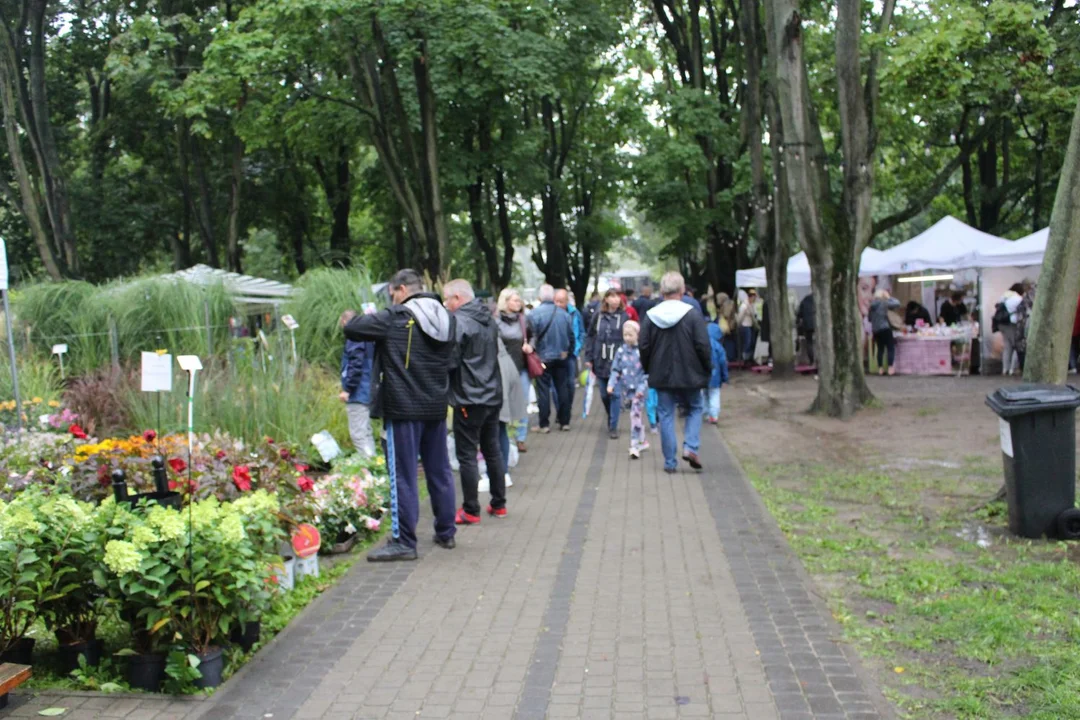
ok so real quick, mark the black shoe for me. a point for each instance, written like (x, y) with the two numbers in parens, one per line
(614, 434)
(449, 543)
(692, 458)
(391, 552)
(670, 471)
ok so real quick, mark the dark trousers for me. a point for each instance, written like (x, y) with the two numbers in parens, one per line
(504, 444)
(747, 342)
(1074, 353)
(426, 440)
(554, 380)
(478, 426)
(885, 341)
(612, 406)
(571, 380)
(809, 336)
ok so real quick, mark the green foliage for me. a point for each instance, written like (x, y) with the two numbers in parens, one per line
(324, 295)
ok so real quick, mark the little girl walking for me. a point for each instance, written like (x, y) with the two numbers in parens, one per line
(631, 382)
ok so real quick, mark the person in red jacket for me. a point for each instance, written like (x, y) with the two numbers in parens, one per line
(628, 308)
(1074, 355)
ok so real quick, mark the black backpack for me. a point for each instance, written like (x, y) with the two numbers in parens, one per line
(1002, 316)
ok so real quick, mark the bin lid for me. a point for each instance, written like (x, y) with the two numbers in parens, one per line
(1030, 398)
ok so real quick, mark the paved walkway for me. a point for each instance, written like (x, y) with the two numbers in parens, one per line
(611, 591)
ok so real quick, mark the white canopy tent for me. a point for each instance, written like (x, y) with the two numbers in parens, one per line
(948, 245)
(244, 288)
(798, 270)
(1025, 252)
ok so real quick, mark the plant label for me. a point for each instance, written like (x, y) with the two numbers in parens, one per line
(189, 363)
(368, 308)
(1006, 436)
(306, 540)
(59, 349)
(3, 265)
(156, 372)
(290, 322)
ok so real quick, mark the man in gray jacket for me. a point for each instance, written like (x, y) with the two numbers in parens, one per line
(476, 396)
(551, 333)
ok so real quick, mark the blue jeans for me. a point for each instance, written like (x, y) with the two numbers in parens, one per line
(554, 381)
(523, 425)
(668, 400)
(746, 339)
(612, 404)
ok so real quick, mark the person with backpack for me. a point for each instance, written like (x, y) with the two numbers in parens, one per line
(1005, 321)
(604, 339)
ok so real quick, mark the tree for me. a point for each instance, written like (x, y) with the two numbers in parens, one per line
(1059, 283)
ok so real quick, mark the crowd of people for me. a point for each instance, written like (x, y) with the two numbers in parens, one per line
(427, 357)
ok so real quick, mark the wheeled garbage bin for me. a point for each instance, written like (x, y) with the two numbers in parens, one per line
(1038, 446)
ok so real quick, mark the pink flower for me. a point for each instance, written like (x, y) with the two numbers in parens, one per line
(305, 483)
(371, 524)
(284, 453)
(241, 476)
(78, 432)
(220, 454)
(149, 436)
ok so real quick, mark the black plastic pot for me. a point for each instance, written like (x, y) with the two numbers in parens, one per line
(21, 653)
(211, 665)
(246, 635)
(146, 672)
(69, 654)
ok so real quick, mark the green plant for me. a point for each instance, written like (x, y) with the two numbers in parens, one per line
(349, 501)
(325, 293)
(181, 671)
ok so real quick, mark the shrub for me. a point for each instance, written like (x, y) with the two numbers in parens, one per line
(101, 399)
(350, 500)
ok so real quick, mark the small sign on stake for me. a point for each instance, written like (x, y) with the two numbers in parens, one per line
(290, 322)
(59, 351)
(156, 372)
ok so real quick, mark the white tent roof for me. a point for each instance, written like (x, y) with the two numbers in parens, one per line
(244, 288)
(798, 270)
(948, 245)
(1024, 252)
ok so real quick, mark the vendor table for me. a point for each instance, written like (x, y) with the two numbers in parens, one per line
(917, 355)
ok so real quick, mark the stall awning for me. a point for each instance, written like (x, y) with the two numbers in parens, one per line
(244, 288)
(1025, 252)
(798, 270)
(948, 245)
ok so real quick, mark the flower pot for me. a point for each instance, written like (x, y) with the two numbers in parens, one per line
(286, 572)
(307, 566)
(211, 665)
(21, 653)
(91, 650)
(146, 672)
(343, 544)
(246, 635)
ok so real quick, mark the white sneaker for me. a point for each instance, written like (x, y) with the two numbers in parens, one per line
(484, 485)
(509, 482)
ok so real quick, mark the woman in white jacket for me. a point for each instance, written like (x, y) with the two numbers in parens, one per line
(1011, 301)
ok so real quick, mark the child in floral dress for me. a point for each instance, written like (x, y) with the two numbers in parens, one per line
(631, 382)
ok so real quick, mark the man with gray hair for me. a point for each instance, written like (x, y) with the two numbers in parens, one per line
(551, 333)
(676, 354)
(476, 396)
(414, 342)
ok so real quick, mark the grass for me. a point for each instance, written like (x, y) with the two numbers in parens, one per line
(968, 630)
(325, 294)
(109, 677)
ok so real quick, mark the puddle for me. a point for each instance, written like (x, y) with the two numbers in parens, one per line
(915, 463)
(975, 534)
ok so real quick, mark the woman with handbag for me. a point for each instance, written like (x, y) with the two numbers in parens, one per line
(604, 339)
(512, 330)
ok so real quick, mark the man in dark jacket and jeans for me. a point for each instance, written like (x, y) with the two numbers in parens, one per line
(476, 395)
(414, 343)
(551, 332)
(677, 356)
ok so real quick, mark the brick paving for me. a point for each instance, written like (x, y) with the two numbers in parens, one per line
(611, 591)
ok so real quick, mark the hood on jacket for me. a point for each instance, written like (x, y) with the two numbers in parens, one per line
(478, 312)
(715, 331)
(433, 318)
(668, 313)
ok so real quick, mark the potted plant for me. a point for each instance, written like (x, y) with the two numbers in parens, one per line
(262, 526)
(28, 574)
(348, 503)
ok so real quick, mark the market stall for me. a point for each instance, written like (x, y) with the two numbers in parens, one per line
(935, 350)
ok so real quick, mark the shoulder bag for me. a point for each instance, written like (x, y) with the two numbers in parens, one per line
(532, 361)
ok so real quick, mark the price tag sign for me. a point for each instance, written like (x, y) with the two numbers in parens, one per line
(290, 322)
(59, 349)
(156, 372)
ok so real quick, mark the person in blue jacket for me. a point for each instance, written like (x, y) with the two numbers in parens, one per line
(562, 299)
(719, 370)
(356, 364)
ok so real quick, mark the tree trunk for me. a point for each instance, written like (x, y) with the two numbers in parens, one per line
(1059, 284)
(504, 230)
(337, 186)
(769, 238)
(235, 189)
(181, 244)
(438, 237)
(204, 212)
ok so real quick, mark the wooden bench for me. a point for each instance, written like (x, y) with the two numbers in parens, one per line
(11, 677)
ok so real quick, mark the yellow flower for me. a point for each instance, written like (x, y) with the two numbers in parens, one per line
(54, 404)
(36, 400)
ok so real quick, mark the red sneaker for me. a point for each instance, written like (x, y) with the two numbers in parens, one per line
(496, 512)
(464, 518)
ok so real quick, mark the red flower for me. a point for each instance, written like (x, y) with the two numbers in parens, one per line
(103, 475)
(177, 465)
(300, 468)
(285, 454)
(241, 477)
(305, 483)
(173, 485)
(78, 432)
(149, 436)
(220, 454)
(269, 440)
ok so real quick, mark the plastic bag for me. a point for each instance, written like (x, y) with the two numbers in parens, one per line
(514, 456)
(451, 450)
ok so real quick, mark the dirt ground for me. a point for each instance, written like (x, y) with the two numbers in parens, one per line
(921, 420)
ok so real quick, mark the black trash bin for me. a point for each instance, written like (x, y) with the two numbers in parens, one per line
(1038, 445)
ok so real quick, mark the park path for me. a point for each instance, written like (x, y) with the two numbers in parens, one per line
(611, 591)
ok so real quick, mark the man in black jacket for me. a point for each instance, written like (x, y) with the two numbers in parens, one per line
(476, 395)
(676, 354)
(414, 342)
